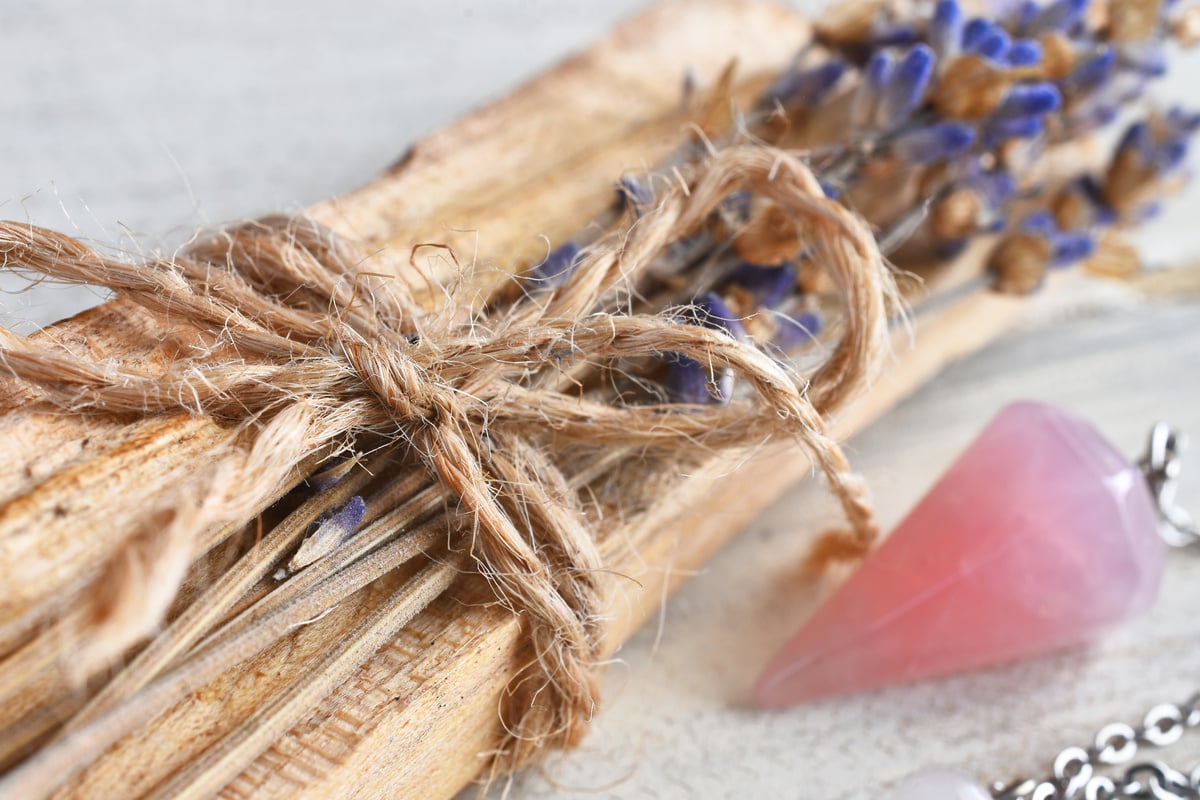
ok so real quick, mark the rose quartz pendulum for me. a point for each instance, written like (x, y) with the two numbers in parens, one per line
(1037, 538)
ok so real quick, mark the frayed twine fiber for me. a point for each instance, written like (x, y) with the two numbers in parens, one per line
(309, 349)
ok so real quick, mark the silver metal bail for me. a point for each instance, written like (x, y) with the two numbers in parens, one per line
(1161, 466)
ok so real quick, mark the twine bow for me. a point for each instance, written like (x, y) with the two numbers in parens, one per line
(309, 348)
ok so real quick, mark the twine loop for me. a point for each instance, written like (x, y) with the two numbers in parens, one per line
(308, 347)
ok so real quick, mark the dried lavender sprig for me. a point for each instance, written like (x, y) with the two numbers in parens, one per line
(946, 98)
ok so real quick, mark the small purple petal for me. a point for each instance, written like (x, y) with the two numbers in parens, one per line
(876, 76)
(1025, 53)
(1147, 58)
(558, 265)
(1071, 247)
(998, 131)
(1025, 14)
(1090, 73)
(879, 70)
(342, 523)
(1061, 15)
(329, 534)
(1028, 100)
(712, 312)
(636, 194)
(1149, 211)
(907, 86)
(806, 88)
(1039, 223)
(996, 186)
(1094, 115)
(950, 248)
(688, 381)
(736, 207)
(975, 30)
(938, 142)
(1183, 121)
(894, 34)
(1170, 154)
(1138, 140)
(796, 330)
(1103, 213)
(767, 286)
(946, 29)
(993, 44)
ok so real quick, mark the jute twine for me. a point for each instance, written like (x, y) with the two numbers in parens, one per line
(307, 351)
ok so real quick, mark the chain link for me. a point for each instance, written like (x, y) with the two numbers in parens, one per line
(1077, 771)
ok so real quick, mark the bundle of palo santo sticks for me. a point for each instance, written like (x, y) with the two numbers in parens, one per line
(334, 505)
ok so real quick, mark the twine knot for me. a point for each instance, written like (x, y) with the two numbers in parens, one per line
(401, 385)
(294, 321)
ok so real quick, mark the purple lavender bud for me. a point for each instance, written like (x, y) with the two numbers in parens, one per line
(558, 265)
(830, 190)
(907, 86)
(796, 330)
(634, 193)
(975, 30)
(1148, 59)
(688, 381)
(806, 88)
(996, 186)
(1061, 15)
(1094, 115)
(894, 34)
(946, 29)
(344, 522)
(946, 249)
(1039, 223)
(1182, 121)
(1102, 213)
(993, 44)
(1091, 72)
(1138, 140)
(736, 206)
(998, 131)
(767, 286)
(938, 142)
(1170, 154)
(712, 312)
(1024, 53)
(876, 76)
(1148, 211)
(329, 534)
(1028, 100)
(879, 70)
(1071, 247)
(1024, 16)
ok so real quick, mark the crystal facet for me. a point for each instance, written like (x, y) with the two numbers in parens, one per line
(1037, 538)
(939, 785)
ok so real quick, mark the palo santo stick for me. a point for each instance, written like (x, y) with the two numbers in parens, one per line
(415, 719)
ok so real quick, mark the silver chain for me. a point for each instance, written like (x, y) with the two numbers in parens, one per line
(1087, 773)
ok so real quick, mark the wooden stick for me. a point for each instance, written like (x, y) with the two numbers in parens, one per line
(419, 717)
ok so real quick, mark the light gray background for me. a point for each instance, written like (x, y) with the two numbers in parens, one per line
(134, 122)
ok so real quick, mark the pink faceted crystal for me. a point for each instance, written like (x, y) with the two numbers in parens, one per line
(1037, 538)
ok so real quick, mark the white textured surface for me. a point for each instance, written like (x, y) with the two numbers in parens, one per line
(134, 122)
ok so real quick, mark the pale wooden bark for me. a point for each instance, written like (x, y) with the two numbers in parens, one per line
(418, 718)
